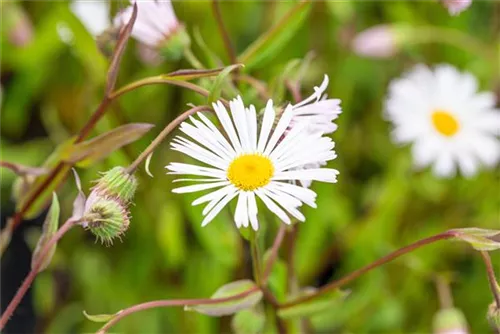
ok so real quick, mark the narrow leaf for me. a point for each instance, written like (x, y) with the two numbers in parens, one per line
(22, 170)
(210, 56)
(147, 163)
(270, 43)
(249, 321)
(230, 307)
(216, 87)
(100, 317)
(480, 239)
(326, 302)
(191, 74)
(88, 152)
(49, 229)
(79, 202)
(120, 48)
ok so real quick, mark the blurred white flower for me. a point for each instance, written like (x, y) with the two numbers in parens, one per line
(455, 7)
(378, 41)
(251, 163)
(317, 114)
(94, 15)
(155, 22)
(449, 123)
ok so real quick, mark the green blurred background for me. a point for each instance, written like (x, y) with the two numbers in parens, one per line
(50, 88)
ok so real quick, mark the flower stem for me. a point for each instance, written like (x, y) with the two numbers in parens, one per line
(256, 260)
(491, 277)
(34, 271)
(169, 303)
(191, 58)
(157, 141)
(352, 276)
(225, 36)
(274, 253)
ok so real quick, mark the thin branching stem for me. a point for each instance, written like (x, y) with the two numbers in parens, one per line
(225, 36)
(355, 274)
(34, 271)
(165, 132)
(169, 303)
(491, 277)
(274, 253)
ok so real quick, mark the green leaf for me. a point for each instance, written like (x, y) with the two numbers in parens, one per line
(79, 202)
(322, 303)
(91, 151)
(270, 43)
(216, 87)
(480, 239)
(100, 317)
(49, 229)
(233, 306)
(249, 321)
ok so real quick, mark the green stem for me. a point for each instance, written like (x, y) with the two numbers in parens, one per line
(352, 276)
(256, 259)
(431, 34)
(191, 58)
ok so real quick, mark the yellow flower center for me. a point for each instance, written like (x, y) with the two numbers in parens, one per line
(445, 123)
(250, 171)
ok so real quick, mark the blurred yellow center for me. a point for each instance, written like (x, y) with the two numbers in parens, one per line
(250, 171)
(445, 123)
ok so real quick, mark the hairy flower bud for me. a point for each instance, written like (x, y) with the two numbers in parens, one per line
(455, 7)
(450, 321)
(106, 212)
(117, 182)
(494, 316)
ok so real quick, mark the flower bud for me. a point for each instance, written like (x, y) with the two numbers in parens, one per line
(380, 41)
(455, 7)
(173, 47)
(117, 183)
(106, 212)
(106, 217)
(494, 316)
(450, 321)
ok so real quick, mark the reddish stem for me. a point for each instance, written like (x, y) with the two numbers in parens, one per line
(170, 303)
(352, 276)
(491, 277)
(32, 274)
(274, 253)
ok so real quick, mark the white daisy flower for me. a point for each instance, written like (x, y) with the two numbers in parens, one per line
(317, 113)
(155, 24)
(94, 15)
(455, 7)
(251, 163)
(446, 119)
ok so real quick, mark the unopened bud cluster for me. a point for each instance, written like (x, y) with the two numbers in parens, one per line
(106, 212)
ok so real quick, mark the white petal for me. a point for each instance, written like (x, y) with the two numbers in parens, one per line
(283, 123)
(241, 212)
(221, 193)
(318, 174)
(198, 187)
(267, 124)
(287, 205)
(273, 207)
(227, 124)
(444, 167)
(252, 211)
(215, 211)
